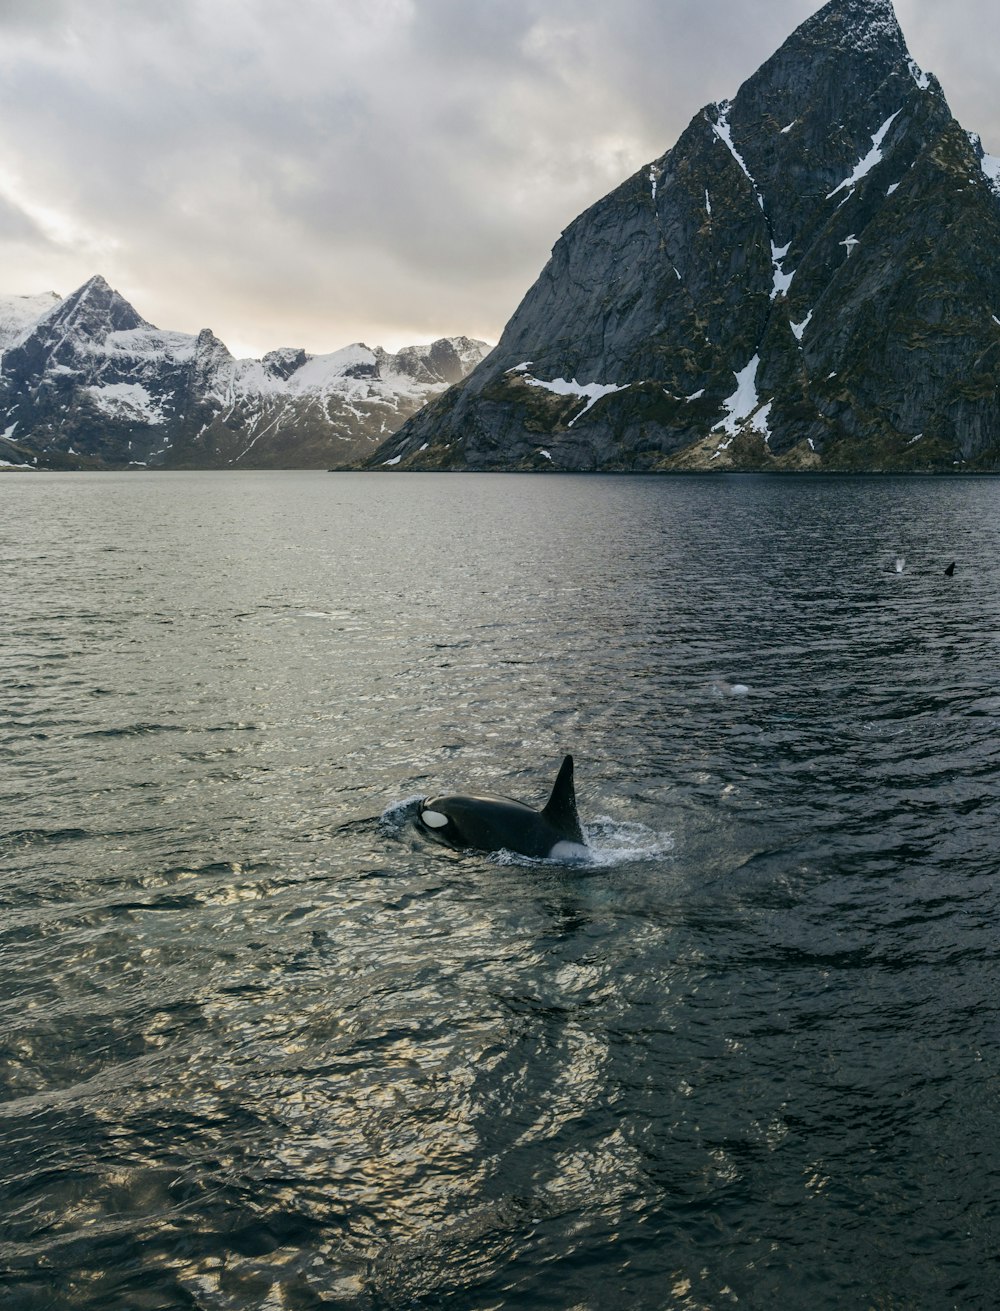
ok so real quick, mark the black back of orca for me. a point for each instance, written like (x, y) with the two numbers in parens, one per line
(493, 823)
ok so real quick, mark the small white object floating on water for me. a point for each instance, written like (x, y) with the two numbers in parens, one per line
(723, 688)
(900, 563)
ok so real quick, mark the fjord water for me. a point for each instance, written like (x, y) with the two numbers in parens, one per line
(262, 1046)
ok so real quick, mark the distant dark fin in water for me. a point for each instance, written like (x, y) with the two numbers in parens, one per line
(561, 808)
(951, 569)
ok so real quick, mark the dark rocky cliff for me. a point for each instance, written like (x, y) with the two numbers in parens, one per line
(808, 279)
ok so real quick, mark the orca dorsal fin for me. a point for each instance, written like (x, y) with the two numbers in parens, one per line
(560, 810)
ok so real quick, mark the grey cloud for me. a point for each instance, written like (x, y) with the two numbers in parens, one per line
(960, 43)
(18, 227)
(315, 173)
(15, 14)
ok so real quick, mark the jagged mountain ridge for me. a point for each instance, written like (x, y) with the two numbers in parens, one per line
(87, 382)
(807, 279)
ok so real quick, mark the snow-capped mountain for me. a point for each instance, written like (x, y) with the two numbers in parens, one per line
(87, 382)
(807, 279)
(18, 314)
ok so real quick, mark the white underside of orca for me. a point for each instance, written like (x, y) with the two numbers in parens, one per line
(569, 851)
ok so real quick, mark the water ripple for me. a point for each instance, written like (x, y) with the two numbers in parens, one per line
(263, 1046)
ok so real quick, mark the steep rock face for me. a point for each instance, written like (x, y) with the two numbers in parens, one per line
(86, 382)
(808, 279)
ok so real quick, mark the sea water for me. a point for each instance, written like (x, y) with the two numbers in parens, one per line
(264, 1046)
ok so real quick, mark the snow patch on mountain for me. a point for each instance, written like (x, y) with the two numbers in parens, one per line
(126, 400)
(922, 79)
(990, 165)
(151, 344)
(871, 160)
(798, 329)
(744, 402)
(724, 132)
(591, 391)
(782, 280)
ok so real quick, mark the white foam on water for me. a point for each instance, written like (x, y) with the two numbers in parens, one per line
(722, 687)
(610, 843)
(395, 818)
(614, 842)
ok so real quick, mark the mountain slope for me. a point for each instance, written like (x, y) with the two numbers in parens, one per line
(19, 314)
(87, 382)
(807, 279)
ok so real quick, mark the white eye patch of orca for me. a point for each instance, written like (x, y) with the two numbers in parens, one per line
(434, 818)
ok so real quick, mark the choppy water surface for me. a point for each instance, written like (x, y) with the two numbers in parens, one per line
(263, 1047)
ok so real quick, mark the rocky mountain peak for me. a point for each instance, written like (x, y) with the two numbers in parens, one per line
(282, 363)
(209, 347)
(94, 311)
(838, 71)
(446, 360)
(858, 25)
(806, 279)
(846, 50)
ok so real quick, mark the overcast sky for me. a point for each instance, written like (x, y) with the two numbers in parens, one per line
(316, 172)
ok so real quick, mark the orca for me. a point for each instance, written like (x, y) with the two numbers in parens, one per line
(484, 822)
(950, 571)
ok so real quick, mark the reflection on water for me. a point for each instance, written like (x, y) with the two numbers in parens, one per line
(262, 1046)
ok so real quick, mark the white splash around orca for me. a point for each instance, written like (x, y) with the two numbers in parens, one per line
(485, 822)
(606, 843)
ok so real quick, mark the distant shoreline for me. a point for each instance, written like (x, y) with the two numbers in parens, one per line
(711, 474)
